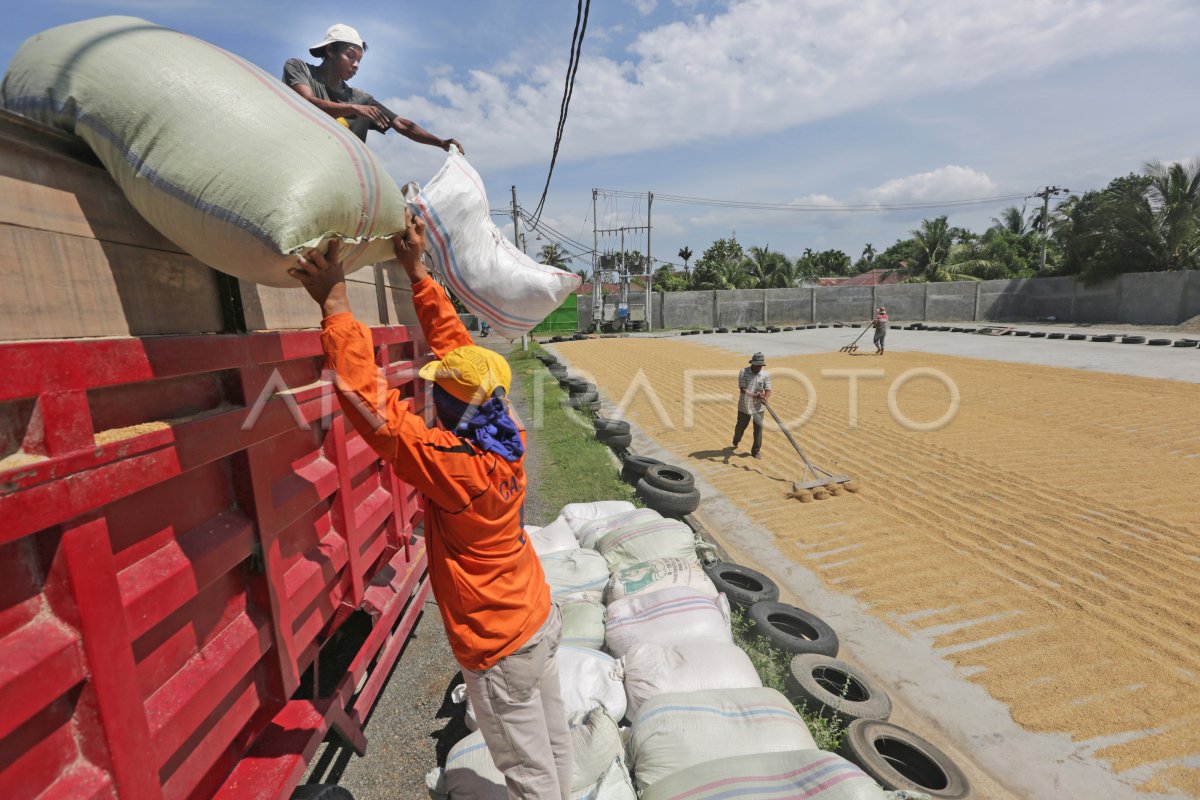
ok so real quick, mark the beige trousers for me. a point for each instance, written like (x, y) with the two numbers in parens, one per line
(518, 703)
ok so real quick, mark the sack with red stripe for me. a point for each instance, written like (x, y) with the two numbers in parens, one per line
(219, 156)
(483, 269)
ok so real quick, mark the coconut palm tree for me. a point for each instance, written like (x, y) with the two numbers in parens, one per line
(760, 264)
(1012, 219)
(685, 253)
(868, 253)
(1164, 228)
(934, 260)
(552, 255)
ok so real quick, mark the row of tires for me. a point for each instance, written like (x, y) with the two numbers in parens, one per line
(669, 490)
(896, 758)
(581, 395)
(1071, 337)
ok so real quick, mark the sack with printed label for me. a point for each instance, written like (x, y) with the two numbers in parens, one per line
(659, 573)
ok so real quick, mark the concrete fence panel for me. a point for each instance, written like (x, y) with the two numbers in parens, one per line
(844, 303)
(1191, 300)
(1152, 298)
(738, 307)
(1099, 303)
(1051, 297)
(789, 306)
(687, 310)
(1002, 300)
(950, 301)
(904, 301)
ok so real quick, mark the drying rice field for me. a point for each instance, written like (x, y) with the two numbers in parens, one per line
(1045, 537)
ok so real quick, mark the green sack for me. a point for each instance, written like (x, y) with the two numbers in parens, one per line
(221, 157)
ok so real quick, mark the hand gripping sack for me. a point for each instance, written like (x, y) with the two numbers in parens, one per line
(219, 156)
(493, 279)
(650, 669)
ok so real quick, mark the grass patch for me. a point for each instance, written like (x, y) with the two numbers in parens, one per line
(771, 663)
(575, 468)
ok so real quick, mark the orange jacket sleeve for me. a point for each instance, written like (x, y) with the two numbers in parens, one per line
(434, 461)
(440, 323)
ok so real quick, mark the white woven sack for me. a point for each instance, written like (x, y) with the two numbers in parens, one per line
(553, 538)
(636, 541)
(471, 774)
(576, 573)
(589, 678)
(670, 616)
(616, 784)
(680, 730)
(591, 532)
(810, 774)
(579, 514)
(659, 573)
(650, 669)
(482, 268)
(219, 156)
(583, 623)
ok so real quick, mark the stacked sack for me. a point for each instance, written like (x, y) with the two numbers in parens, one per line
(692, 695)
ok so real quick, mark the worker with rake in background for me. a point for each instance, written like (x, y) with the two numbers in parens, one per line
(754, 387)
(489, 584)
(881, 328)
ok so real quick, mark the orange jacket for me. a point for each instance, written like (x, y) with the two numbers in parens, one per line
(488, 581)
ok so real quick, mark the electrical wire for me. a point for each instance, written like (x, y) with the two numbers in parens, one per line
(813, 207)
(582, 9)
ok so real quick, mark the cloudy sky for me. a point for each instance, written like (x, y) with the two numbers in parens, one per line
(821, 103)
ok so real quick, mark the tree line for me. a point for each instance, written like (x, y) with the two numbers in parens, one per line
(1141, 222)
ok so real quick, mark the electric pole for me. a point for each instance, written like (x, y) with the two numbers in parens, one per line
(1046, 194)
(649, 267)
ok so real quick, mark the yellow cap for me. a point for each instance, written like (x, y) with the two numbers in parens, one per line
(470, 373)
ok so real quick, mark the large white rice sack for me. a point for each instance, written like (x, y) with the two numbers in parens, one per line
(470, 773)
(651, 669)
(218, 155)
(810, 774)
(637, 541)
(481, 267)
(591, 532)
(576, 573)
(579, 514)
(679, 731)
(667, 617)
(590, 678)
(555, 537)
(583, 623)
(659, 573)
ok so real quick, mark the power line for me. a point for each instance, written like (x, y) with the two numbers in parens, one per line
(582, 10)
(814, 207)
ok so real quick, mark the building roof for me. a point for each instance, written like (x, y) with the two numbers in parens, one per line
(874, 277)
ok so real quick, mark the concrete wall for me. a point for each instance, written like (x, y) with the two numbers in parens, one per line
(1191, 299)
(739, 307)
(844, 303)
(954, 300)
(686, 310)
(1100, 303)
(789, 306)
(904, 301)
(1153, 298)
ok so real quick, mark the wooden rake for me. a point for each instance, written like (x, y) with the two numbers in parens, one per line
(815, 483)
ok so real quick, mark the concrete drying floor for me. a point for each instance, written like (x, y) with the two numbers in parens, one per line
(1022, 578)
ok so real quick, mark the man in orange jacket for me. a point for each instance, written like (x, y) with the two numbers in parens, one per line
(488, 582)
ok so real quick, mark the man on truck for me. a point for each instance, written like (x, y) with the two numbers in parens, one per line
(325, 86)
(502, 626)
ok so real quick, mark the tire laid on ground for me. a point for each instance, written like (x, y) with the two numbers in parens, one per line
(634, 467)
(792, 629)
(560, 372)
(722, 330)
(1055, 335)
(581, 387)
(1184, 343)
(1133, 340)
(669, 504)
(1022, 333)
(579, 337)
(822, 325)
(1076, 337)
(1158, 342)
(899, 759)
(835, 690)
(570, 383)
(584, 400)
(708, 330)
(741, 585)
(1104, 337)
(1037, 335)
(610, 425)
(669, 478)
(592, 406)
(617, 441)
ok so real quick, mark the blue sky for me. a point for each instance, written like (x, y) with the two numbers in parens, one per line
(821, 102)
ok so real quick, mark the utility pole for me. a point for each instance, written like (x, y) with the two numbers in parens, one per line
(517, 241)
(1046, 194)
(649, 267)
(597, 283)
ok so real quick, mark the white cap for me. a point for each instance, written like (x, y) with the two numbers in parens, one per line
(338, 33)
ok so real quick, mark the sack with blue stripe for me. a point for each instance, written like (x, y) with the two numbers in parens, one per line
(477, 263)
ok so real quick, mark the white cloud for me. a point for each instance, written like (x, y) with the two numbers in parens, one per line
(644, 7)
(950, 182)
(767, 65)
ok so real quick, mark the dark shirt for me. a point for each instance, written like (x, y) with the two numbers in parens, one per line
(296, 72)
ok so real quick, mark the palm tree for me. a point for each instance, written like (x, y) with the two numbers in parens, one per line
(935, 248)
(1165, 227)
(552, 255)
(868, 253)
(760, 264)
(685, 253)
(1012, 219)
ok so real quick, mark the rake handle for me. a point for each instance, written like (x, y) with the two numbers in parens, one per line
(788, 434)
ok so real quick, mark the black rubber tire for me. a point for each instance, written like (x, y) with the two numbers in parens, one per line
(899, 759)
(669, 478)
(741, 585)
(669, 504)
(1104, 337)
(581, 387)
(583, 400)
(722, 330)
(708, 330)
(1037, 335)
(809, 327)
(617, 441)
(835, 690)
(1056, 335)
(1022, 333)
(634, 467)
(792, 629)
(956, 330)
(1076, 337)
(1184, 343)
(1158, 342)
(822, 325)
(610, 425)
(1133, 340)
(321, 791)
(547, 359)
(592, 406)
(579, 337)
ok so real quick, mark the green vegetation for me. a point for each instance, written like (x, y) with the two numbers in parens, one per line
(575, 468)
(771, 663)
